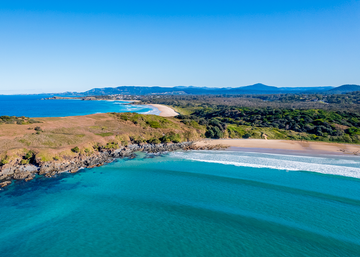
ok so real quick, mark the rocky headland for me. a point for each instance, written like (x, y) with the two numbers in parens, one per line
(15, 170)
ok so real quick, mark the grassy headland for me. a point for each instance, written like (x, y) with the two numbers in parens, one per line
(64, 137)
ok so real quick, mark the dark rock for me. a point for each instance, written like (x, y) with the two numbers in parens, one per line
(9, 172)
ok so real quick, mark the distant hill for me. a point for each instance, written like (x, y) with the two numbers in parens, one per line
(345, 89)
(182, 90)
(259, 87)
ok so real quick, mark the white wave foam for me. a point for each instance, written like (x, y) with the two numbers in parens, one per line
(141, 109)
(153, 110)
(302, 158)
(323, 165)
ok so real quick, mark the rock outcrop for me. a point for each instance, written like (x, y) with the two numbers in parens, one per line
(16, 171)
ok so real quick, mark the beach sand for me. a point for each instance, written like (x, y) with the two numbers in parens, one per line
(302, 146)
(165, 111)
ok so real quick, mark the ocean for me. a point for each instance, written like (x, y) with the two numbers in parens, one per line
(196, 203)
(33, 106)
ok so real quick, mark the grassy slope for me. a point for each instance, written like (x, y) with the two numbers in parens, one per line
(239, 131)
(183, 110)
(59, 135)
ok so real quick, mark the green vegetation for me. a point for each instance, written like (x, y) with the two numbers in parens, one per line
(188, 104)
(151, 121)
(75, 149)
(17, 120)
(339, 99)
(4, 161)
(30, 154)
(282, 116)
(154, 140)
(24, 162)
(337, 126)
(111, 145)
(105, 134)
(170, 137)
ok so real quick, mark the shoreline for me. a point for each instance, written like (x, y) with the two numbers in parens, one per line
(16, 171)
(307, 147)
(165, 111)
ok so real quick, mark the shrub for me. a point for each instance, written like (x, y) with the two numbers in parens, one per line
(28, 155)
(138, 140)
(75, 149)
(154, 141)
(31, 121)
(112, 145)
(154, 124)
(37, 128)
(24, 162)
(247, 135)
(165, 139)
(347, 138)
(214, 132)
(97, 147)
(3, 162)
(124, 117)
(174, 137)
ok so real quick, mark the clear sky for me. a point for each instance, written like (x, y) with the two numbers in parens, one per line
(56, 46)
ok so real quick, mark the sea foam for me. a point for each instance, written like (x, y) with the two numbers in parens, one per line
(333, 166)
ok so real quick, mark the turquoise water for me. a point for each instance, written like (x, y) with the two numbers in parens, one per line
(32, 106)
(198, 203)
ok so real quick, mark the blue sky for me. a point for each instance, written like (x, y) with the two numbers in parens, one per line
(56, 46)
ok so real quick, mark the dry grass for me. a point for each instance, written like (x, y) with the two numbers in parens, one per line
(59, 135)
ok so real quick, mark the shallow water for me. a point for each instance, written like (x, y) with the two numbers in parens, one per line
(33, 106)
(198, 203)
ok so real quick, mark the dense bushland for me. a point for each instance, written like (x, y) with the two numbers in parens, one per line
(341, 126)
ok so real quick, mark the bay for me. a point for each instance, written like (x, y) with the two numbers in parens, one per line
(33, 106)
(197, 203)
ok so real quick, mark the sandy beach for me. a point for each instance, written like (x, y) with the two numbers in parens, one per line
(304, 146)
(165, 111)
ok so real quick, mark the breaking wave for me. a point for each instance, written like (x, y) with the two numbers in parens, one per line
(333, 166)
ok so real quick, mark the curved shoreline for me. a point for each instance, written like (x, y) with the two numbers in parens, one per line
(165, 111)
(12, 172)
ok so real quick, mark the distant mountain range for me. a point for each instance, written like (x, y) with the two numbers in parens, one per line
(345, 89)
(181, 90)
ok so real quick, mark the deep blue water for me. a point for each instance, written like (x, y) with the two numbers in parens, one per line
(32, 106)
(206, 203)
